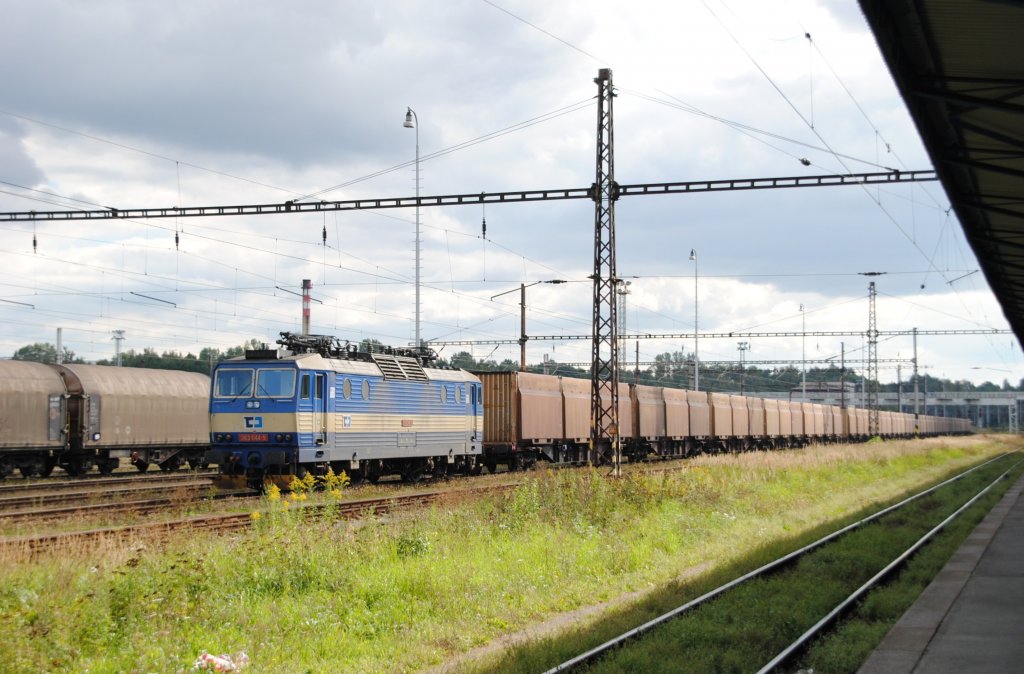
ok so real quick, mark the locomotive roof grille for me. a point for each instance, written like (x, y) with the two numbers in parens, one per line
(402, 368)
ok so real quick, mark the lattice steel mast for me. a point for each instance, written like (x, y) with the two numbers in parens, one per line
(604, 373)
(872, 380)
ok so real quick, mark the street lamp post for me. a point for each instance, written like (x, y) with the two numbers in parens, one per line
(412, 121)
(522, 316)
(696, 357)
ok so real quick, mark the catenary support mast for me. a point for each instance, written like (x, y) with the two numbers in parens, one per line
(604, 424)
(872, 380)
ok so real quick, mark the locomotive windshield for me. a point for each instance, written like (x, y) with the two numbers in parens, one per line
(233, 383)
(275, 383)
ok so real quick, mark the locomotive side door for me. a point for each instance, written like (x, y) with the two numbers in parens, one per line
(320, 408)
(476, 405)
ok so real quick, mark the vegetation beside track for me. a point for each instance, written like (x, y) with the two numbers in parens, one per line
(304, 593)
(746, 627)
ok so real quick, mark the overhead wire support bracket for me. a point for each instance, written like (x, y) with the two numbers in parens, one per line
(729, 335)
(615, 191)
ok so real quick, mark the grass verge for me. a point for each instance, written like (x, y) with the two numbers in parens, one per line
(745, 628)
(310, 594)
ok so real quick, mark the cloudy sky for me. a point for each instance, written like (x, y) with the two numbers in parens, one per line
(156, 104)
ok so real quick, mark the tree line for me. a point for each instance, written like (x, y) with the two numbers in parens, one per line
(672, 370)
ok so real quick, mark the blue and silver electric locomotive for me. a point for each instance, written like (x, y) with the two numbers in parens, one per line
(317, 404)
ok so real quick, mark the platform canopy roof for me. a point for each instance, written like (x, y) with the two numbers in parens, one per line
(959, 65)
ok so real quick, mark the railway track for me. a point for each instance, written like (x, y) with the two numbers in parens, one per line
(12, 486)
(47, 500)
(354, 509)
(789, 563)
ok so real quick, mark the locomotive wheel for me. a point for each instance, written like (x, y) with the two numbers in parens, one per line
(196, 464)
(412, 474)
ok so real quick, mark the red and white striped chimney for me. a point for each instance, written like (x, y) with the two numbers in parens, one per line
(307, 285)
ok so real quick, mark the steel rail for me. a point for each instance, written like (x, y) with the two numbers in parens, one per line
(47, 495)
(844, 605)
(56, 482)
(603, 648)
(49, 511)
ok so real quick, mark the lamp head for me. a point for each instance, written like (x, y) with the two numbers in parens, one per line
(693, 253)
(408, 119)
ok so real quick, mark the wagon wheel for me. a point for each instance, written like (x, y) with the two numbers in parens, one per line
(46, 469)
(172, 464)
(30, 470)
(106, 466)
(6, 467)
(78, 465)
(142, 466)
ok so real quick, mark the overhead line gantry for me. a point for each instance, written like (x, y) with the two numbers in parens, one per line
(518, 196)
(724, 335)
(604, 192)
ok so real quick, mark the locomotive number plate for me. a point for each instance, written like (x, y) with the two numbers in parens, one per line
(253, 437)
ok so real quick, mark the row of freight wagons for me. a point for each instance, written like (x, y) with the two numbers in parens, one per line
(75, 416)
(531, 416)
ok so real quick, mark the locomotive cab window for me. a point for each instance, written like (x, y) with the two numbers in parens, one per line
(233, 383)
(275, 383)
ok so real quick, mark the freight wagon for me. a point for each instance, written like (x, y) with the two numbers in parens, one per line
(530, 417)
(75, 416)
